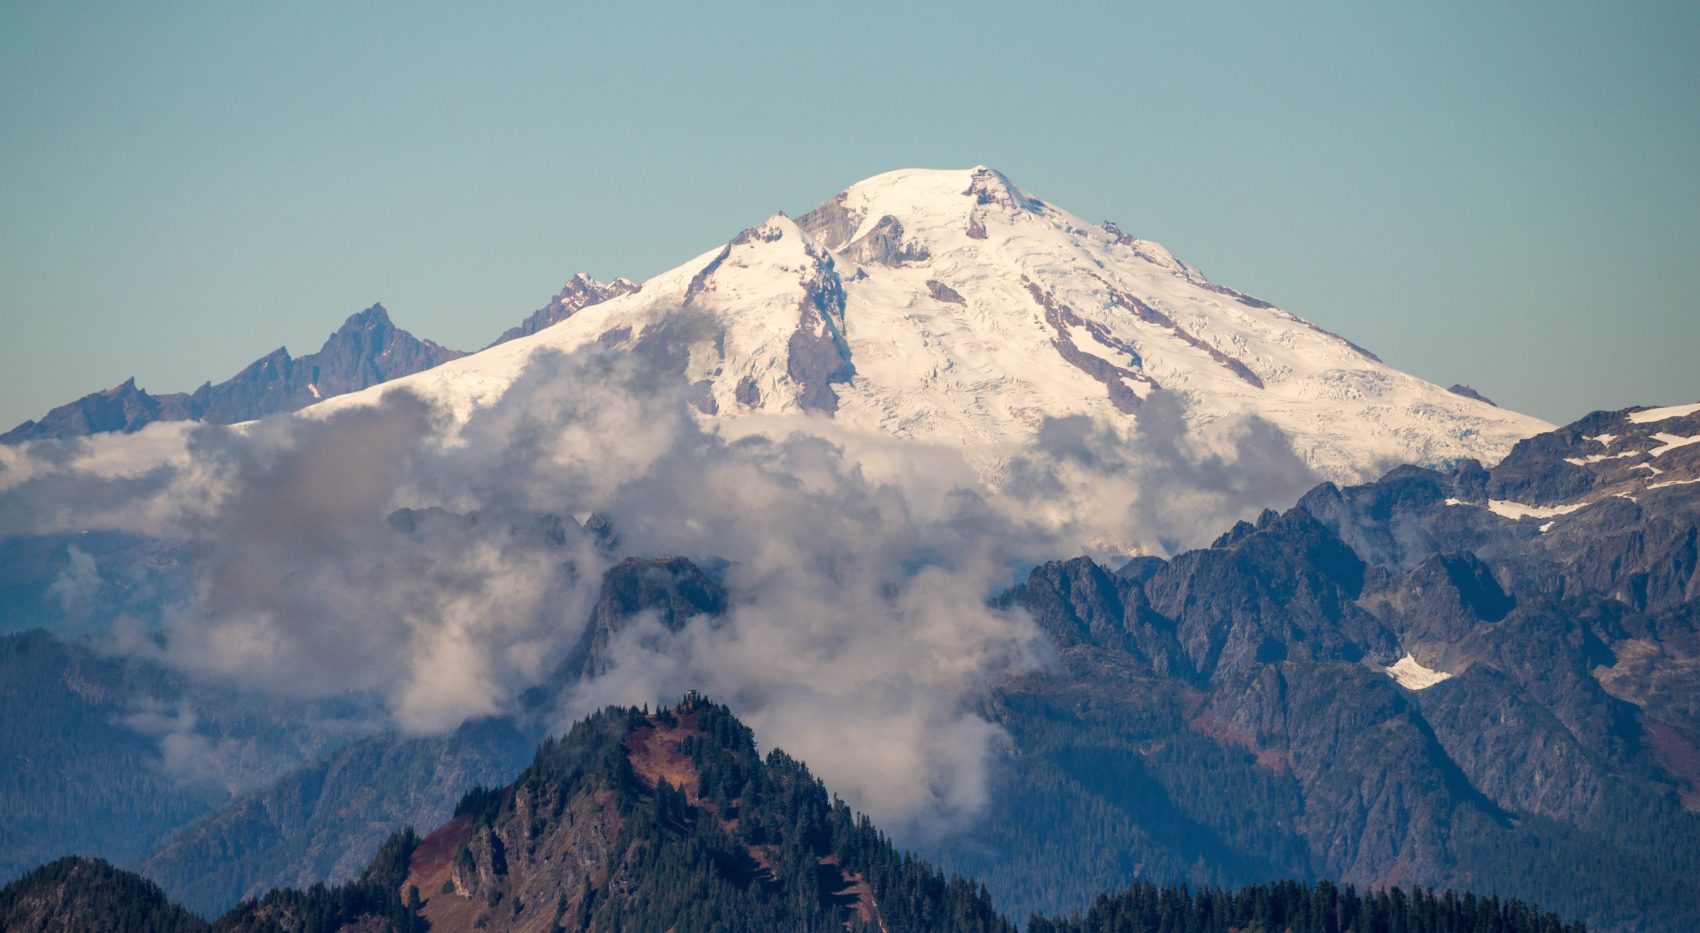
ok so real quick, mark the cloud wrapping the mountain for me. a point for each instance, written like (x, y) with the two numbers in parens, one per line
(856, 602)
(859, 633)
(1155, 487)
(77, 586)
(305, 584)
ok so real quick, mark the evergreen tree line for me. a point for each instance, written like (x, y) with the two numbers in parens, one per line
(71, 887)
(327, 908)
(75, 894)
(1292, 907)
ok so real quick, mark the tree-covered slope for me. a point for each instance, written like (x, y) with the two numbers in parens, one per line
(73, 895)
(106, 755)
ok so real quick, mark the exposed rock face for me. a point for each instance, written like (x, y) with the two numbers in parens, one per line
(748, 393)
(1235, 606)
(489, 877)
(366, 350)
(988, 186)
(673, 590)
(524, 867)
(1151, 315)
(1117, 380)
(818, 355)
(885, 245)
(832, 224)
(944, 293)
(1538, 472)
(580, 292)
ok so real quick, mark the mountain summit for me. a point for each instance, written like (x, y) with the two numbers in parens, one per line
(955, 307)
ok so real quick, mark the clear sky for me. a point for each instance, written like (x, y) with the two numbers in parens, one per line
(1501, 194)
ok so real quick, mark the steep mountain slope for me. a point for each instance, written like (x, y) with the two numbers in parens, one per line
(366, 350)
(951, 306)
(1471, 678)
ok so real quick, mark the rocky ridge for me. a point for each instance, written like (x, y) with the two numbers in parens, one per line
(366, 350)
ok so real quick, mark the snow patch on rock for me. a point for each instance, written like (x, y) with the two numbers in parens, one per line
(1655, 415)
(1411, 675)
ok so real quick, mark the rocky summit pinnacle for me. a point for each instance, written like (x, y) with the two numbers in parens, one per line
(580, 292)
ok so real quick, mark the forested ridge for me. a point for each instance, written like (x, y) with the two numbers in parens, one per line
(733, 842)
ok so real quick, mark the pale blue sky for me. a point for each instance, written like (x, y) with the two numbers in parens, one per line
(1502, 194)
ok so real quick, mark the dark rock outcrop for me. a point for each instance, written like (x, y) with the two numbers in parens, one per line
(748, 393)
(1467, 392)
(884, 245)
(673, 590)
(944, 293)
(580, 292)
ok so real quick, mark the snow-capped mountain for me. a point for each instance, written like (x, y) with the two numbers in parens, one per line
(953, 307)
